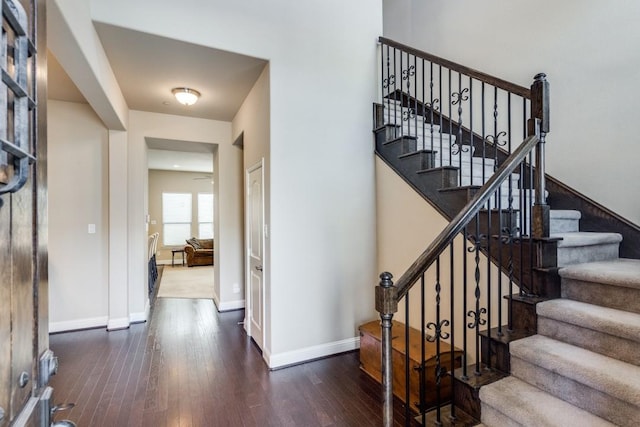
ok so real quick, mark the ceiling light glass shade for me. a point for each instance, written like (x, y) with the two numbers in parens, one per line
(186, 96)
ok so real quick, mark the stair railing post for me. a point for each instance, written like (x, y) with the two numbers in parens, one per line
(386, 305)
(539, 125)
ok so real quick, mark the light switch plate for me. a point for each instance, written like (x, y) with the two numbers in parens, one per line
(91, 229)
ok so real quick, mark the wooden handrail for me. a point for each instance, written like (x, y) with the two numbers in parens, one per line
(446, 236)
(479, 75)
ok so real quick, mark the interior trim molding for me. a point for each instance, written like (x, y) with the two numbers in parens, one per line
(72, 325)
(118, 323)
(307, 354)
(228, 305)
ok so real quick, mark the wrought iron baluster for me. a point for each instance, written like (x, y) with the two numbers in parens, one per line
(452, 356)
(471, 142)
(465, 347)
(450, 129)
(525, 218)
(495, 126)
(395, 94)
(385, 83)
(415, 101)
(431, 103)
(424, 112)
(459, 98)
(438, 335)
(484, 136)
(440, 115)
(408, 112)
(531, 220)
(510, 237)
(477, 294)
(476, 315)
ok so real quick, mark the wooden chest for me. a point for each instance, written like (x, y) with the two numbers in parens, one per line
(370, 361)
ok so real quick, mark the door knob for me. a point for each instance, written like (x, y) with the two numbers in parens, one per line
(259, 267)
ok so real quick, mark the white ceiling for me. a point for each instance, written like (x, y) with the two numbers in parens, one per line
(168, 154)
(147, 67)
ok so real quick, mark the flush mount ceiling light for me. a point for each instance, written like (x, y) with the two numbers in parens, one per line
(186, 96)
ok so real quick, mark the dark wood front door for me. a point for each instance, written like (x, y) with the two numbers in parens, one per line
(23, 254)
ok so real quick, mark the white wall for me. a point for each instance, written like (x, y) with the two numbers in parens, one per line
(253, 121)
(322, 61)
(78, 196)
(589, 51)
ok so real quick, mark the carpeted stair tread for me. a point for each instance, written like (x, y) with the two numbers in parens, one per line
(618, 272)
(527, 405)
(586, 238)
(605, 374)
(619, 323)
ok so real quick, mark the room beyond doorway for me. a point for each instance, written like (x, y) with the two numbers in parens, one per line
(187, 282)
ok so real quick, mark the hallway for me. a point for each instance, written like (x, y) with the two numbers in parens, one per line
(193, 366)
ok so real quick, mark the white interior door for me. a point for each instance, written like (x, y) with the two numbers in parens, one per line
(254, 316)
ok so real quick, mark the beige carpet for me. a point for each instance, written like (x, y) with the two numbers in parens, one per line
(186, 282)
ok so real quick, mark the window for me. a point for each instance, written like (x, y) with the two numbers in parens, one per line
(176, 218)
(205, 215)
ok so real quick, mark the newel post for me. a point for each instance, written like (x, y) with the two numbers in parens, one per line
(539, 125)
(386, 305)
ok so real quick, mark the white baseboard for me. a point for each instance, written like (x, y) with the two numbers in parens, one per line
(143, 316)
(72, 325)
(230, 305)
(118, 323)
(281, 360)
(216, 299)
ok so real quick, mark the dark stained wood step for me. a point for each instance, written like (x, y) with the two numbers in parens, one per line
(445, 419)
(466, 389)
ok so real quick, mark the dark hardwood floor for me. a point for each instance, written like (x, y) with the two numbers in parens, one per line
(192, 366)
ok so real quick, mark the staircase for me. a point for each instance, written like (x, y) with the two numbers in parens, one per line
(583, 366)
(566, 351)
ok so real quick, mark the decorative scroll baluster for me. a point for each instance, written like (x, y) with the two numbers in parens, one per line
(465, 343)
(458, 148)
(404, 85)
(476, 315)
(438, 335)
(431, 103)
